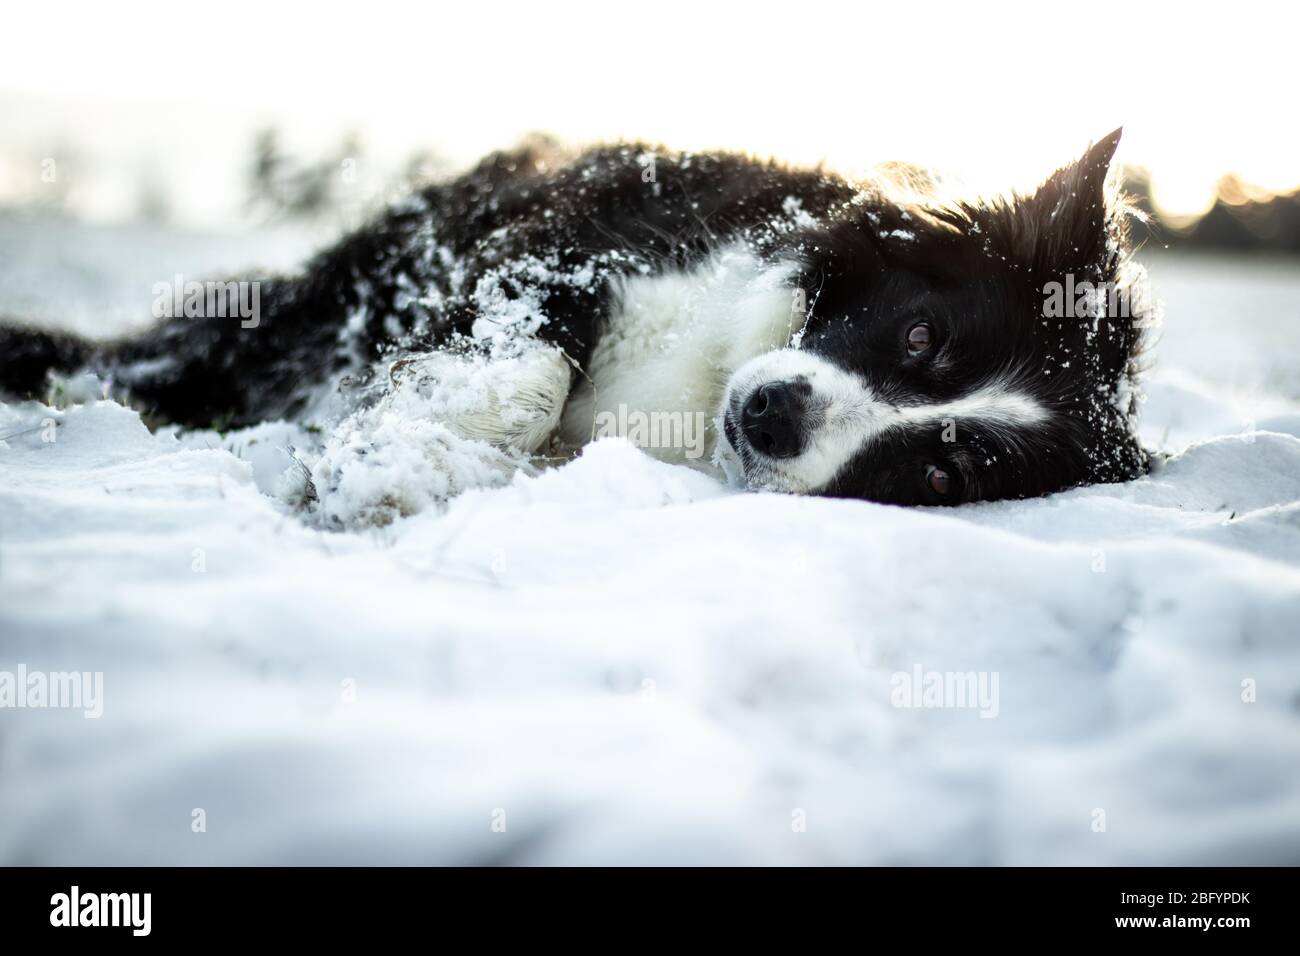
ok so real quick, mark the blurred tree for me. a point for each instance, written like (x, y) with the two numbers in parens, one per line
(266, 172)
(1246, 218)
(1243, 217)
(281, 186)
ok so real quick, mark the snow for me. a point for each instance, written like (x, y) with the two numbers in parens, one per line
(619, 660)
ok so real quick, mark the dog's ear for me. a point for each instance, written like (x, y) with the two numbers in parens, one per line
(1062, 226)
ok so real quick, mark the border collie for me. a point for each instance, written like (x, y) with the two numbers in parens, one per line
(855, 340)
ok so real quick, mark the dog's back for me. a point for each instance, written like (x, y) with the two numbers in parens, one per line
(528, 233)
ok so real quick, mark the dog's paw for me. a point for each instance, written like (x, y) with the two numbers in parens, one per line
(512, 403)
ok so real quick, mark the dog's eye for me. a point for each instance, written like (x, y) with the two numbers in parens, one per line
(919, 338)
(938, 481)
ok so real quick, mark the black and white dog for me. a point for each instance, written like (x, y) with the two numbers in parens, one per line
(840, 339)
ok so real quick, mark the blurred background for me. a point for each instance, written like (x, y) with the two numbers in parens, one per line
(144, 138)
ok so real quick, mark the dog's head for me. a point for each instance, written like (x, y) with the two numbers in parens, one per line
(954, 353)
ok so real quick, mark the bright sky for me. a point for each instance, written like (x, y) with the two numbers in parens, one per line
(1002, 93)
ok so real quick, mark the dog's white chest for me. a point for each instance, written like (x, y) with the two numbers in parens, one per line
(672, 340)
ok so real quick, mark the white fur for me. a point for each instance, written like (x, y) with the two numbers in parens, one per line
(674, 340)
(845, 415)
(697, 340)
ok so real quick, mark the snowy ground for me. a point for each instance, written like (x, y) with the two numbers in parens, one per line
(622, 661)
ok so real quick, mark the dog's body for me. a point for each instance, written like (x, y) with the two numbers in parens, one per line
(834, 340)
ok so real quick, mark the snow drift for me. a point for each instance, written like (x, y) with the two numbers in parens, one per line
(619, 660)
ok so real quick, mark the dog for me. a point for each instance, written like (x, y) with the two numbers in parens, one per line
(851, 340)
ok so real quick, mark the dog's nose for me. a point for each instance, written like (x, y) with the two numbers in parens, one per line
(771, 418)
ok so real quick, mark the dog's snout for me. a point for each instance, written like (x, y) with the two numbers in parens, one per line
(772, 419)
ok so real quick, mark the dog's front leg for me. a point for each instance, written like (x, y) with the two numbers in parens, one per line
(442, 424)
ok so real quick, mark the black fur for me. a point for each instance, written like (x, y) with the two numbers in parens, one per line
(977, 273)
(410, 275)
